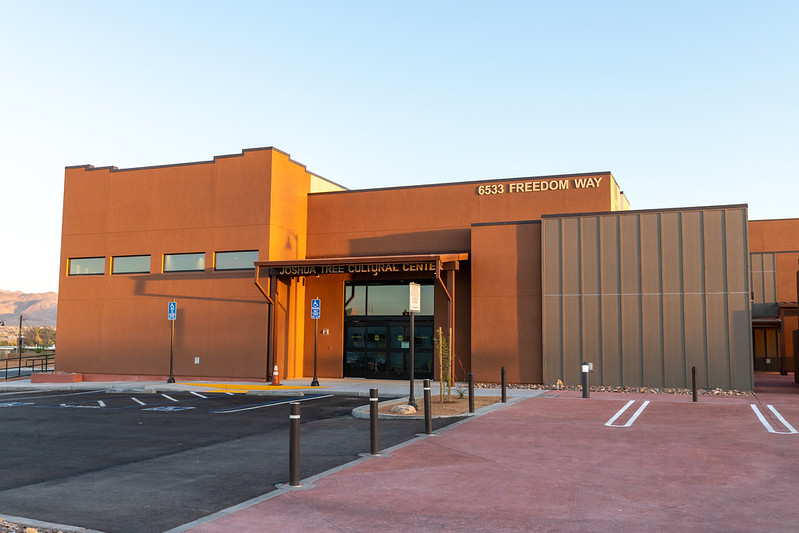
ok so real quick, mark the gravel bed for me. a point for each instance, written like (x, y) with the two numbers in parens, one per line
(646, 390)
(11, 527)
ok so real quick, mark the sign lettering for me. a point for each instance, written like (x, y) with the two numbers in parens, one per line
(374, 269)
(563, 184)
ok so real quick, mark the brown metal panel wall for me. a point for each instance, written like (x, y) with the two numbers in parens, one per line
(716, 327)
(572, 326)
(610, 317)
(764, 284)
(673, 306)
(657, 293)
(590, 308)
(651, 291)
(552, 315)
(739, 312)
(631, 323)
(693, 273)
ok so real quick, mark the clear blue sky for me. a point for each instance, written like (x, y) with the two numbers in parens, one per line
(687, 103)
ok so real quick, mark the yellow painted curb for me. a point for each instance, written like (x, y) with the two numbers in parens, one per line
(240, 388)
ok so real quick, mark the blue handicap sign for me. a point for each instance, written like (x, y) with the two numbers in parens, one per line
(316, 308)
(172, 310)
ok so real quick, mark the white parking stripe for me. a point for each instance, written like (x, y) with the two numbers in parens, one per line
(790, 428)
(785, 423)
(137, 401)
(610, 423)
(169, 397)
(101, 402)
(271, 404)
(198, 394)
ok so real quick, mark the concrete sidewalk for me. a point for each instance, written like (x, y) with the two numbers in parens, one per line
(339, 386)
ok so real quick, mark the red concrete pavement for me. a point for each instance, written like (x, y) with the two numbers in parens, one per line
(551, 464)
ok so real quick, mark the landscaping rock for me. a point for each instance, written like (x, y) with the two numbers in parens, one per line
(403, 409)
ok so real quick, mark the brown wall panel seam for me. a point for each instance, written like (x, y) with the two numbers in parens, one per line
(682, 298)
(620, 303)
(703, 249)
(724, 254)
(661, 311)
(640, 280)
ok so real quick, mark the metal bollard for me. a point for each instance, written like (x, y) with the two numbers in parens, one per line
(471, 392)
(373, 420)
(693, 382)
(294, 444)
(428, 409)
(585, 369)
(504, 386)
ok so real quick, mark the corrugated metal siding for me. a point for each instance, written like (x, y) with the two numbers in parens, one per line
(647, 295)
(764, 284)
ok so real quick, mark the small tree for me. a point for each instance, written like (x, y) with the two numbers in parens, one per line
(47, 336)
(446, 360)
(40, 336)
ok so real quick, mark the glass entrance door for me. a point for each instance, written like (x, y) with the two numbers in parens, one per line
(379, 347)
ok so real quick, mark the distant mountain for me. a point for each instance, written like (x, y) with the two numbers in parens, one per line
(36, 309)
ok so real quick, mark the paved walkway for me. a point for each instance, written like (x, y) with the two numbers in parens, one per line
(558, 463)
(554, 464)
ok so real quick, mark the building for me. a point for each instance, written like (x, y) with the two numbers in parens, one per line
(536, 274)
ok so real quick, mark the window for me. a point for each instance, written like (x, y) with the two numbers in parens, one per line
(184, 262)
(384, 299)
(130, 264)
(235, 260)
(87, 266)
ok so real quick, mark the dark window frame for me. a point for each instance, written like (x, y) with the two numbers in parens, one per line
(171, 271)
(72, 259)
(149, 265)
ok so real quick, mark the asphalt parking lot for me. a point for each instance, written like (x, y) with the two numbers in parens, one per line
(150, 462)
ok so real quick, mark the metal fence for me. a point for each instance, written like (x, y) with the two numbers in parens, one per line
(15, 366)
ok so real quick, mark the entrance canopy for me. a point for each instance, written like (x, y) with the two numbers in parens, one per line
(430, 263)
(414, 265)
(354, 265)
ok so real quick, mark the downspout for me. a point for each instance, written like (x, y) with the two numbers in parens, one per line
(270, 299)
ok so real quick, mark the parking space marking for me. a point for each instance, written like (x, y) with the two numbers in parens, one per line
(15, 404)
(169, 408)
(101, 402)
(786, 425)
(269, 404)
(46, 396)
(198, 394)
(138, 401)
(610, 423)
(73, 406)
(169, 398)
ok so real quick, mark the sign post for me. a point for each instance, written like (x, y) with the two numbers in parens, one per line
(172, 313)
(414, 306)
(316, 312)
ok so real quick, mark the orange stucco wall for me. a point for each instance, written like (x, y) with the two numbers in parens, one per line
(117, 324)
(506, 301)
(259, 200)
(781, 237)
(489, 332)
(436, 218)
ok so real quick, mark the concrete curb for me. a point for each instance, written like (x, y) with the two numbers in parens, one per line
(363, 411)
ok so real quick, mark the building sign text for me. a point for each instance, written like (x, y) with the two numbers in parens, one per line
(374, 269)
(539, 185)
